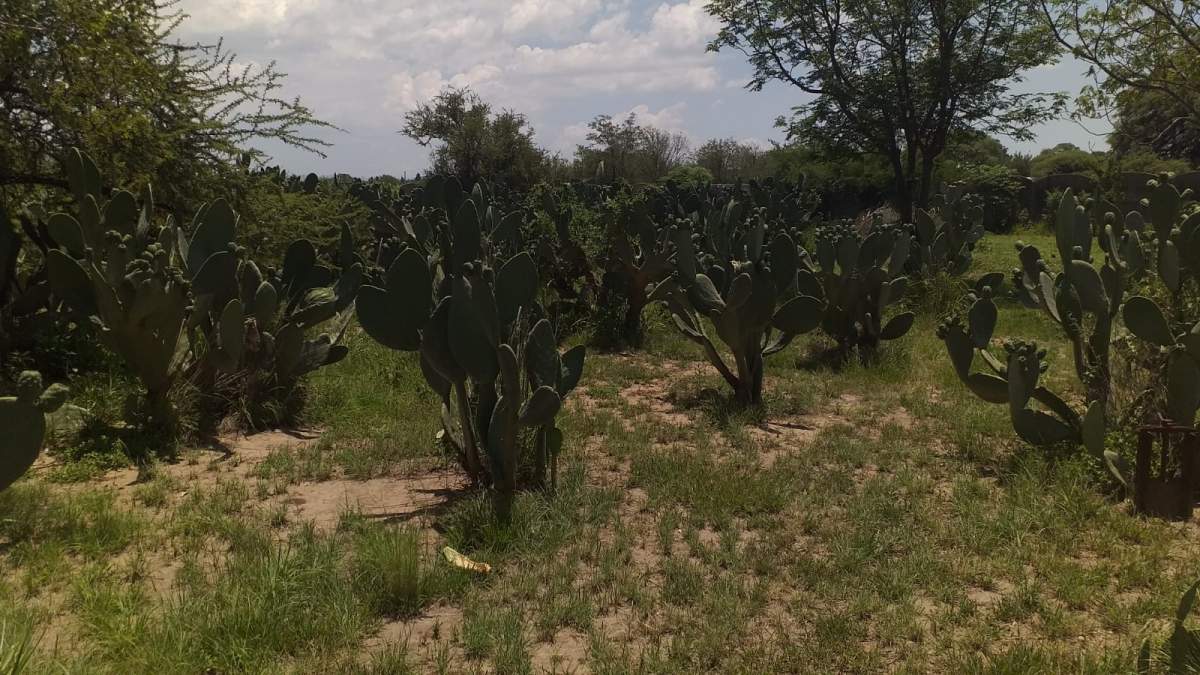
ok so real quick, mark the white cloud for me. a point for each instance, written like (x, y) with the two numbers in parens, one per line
(406, 90)
(234, 15)
(571, 136)
(361, 64)
(669, 118)
(526, 15)
(683, 26)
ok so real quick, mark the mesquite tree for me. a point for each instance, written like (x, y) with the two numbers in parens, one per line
(896, 77)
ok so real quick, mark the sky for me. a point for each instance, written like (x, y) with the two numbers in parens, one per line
(361, 64)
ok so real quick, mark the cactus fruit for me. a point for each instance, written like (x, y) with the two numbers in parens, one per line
(23, 419)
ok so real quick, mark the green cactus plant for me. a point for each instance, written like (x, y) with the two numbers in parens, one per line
(746, 286)
(637, 257)
(237, 303)
(1084, 300)
(1180, 653)
(860, 277)
(112, 266)
(564, 262)
(257, 324)
(1173, 330)
(23, 419)
(1084, 294)
(945, 236)
(447, 296)
(778, 200)
(1016, 380)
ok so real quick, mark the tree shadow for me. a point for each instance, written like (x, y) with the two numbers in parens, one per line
(719, 407)
(823, 358)
(442, 501)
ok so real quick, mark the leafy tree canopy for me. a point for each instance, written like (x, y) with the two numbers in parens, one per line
(471, 141)
(896, 77)
(108, 77)
(1147, 46)
(624, 149)
(1066, 158)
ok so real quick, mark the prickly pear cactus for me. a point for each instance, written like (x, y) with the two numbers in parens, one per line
(256, 321)
(725, 269)
(637, 257)
(1014, 379)
(563, 261)
(1085, 292)
(451, 295)
(23, 419)
(1174, 330)
(1083, 299)
(945, 236)
(112, 265)
(861, 277)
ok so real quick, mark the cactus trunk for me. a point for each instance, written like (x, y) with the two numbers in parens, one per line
(470, 444)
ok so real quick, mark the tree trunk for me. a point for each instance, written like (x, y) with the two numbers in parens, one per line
(900, 184)
(635, 304)
(927, 165)
(470, 446)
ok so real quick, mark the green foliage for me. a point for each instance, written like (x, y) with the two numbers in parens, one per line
(474, 143)
(637, 257)
(725, 270)
(277, 209)
(1066, 298)
(689, 175)
(176, 307)
(256, 326)
(944, 237)
(875, 96)
(860, 275)
(729, 160)
(1142, 55)
(457, 294)
(1140, 160)
(149, 107)
(23, 419)
(1085, 300)
(845, 183)
(998, 189)
(623, 150)
(564, 252)
(1066, 158)
(1176, 329)
(112, 267)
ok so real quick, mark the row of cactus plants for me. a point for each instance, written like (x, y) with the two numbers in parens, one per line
(760, 289)
(174, 306)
